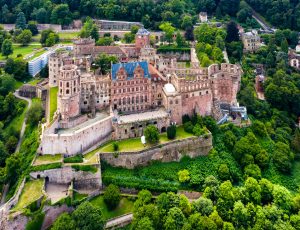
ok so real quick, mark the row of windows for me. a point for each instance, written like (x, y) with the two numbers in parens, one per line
(128, 90)
(132, 82)
(133, 100)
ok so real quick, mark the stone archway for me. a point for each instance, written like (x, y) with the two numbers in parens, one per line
(163, 129)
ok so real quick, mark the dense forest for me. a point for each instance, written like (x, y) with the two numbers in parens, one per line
(282, 14)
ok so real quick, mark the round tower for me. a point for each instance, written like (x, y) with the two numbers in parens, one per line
(68, 102)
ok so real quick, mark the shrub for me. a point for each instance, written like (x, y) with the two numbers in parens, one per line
(151, 134)
(86, 168)
(188, 127)
(74, 159)
(171, 132)
(116, 146)
(198, 131)
(112, 196)
(36, 222)
(184, 176)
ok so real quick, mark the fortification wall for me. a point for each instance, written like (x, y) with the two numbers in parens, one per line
(78, 141)
(67, 174)
(172, 151)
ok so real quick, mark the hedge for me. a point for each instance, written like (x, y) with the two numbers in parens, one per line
(74, 159)
(45, 167)
(86, 168)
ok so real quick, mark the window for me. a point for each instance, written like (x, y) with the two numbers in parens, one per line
(68, 85)
(67, 91)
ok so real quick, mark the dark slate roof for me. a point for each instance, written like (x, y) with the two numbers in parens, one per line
(143, 31)
(129, 68)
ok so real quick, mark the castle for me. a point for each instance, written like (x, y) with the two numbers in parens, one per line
(143, 88)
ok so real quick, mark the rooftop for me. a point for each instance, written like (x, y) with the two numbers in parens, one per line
(136, 117)
(129, 68)
(143, 31)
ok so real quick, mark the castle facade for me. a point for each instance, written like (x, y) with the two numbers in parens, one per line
(143, 88)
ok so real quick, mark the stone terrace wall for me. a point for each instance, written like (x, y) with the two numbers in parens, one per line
(172, 151)
(67, 174)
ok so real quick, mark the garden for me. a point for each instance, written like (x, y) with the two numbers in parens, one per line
(53, 101)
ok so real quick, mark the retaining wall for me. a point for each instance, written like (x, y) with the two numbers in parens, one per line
(171, 151)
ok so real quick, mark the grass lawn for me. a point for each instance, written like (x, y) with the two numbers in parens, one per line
(31, 192)
(23, 50)
(125, 206)
(135, 144)
(34, 81)
(47, 159)
(68, 35)
(91, 157)
(53, 101)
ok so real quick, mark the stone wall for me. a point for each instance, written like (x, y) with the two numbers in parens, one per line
(172, 151)
(77, 141)
(52, 212)
(67, 174)
(179, 56)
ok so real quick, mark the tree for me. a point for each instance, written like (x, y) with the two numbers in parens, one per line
(95, 33)
(7, 84)
(282, 197)
(283, 157)
(232, 32)
(3, 154)
(224, 172)
(171, 132)
(11, 144)
(220, 42)
(104, 61)
(185, 205)
(151, 133)
(64, 222)
(13, 168)
(112, 196)
(49, 38)
(88, 217)
(35, 113)
(284, 46)
(174, 220)
(189, 34)
(21, 21)
(144, 224)
(252, 170)
(7, 48)
(187, 22)
(295, 144)
(183, 175)
(105, 41)
(25, 37)
(33, 28)
(180, 40)
(169, 30)
(203, 205)
(240, 214)
(61, 15)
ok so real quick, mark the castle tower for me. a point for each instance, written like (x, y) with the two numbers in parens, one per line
(142, 38)
(84, 46)
(68, 102)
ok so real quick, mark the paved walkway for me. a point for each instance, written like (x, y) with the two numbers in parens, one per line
(25, 119)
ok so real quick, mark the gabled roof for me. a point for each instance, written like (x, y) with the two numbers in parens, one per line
(143, 31)
(129, 68)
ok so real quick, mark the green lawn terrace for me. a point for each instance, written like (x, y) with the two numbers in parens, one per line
(32, 191)
(53, 102)
(28, 52)
(135, 144)
(125, 206)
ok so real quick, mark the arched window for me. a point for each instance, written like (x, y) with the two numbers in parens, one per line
(67, 91)
(68, 85)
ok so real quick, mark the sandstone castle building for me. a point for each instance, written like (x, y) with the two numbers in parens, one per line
(143, 88)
